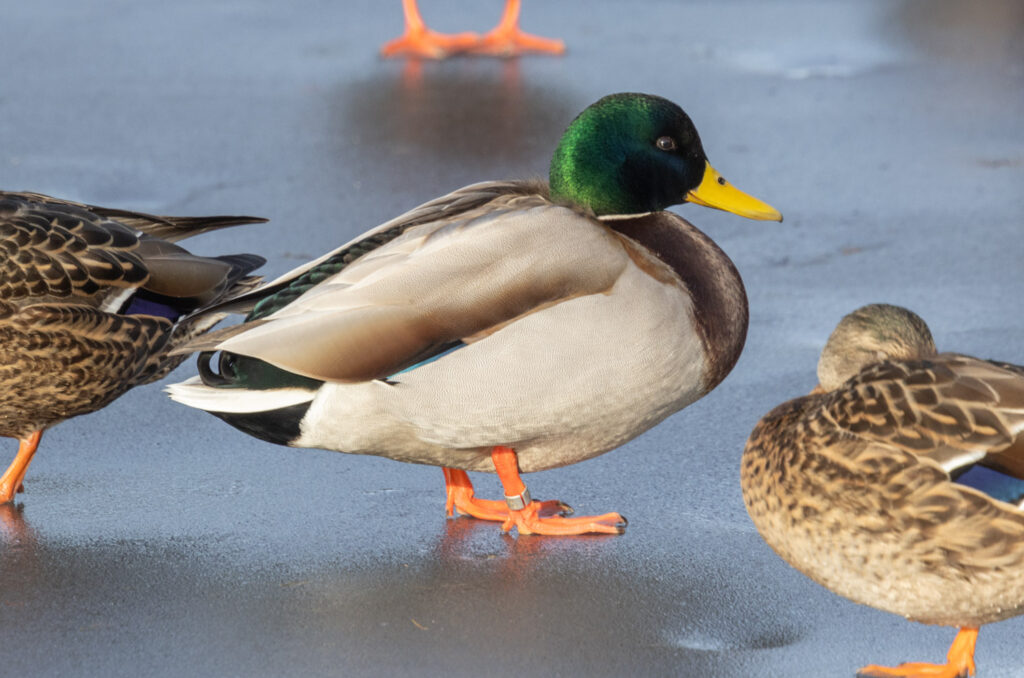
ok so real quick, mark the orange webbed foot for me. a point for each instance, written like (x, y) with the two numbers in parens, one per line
(461, 500)
(959, 662)
(510, 43)
(532, 517)
(427, 44)
(420, 41)
(508, 40)
(915, 670)
(530, 521)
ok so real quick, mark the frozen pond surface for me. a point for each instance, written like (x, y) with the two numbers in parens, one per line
(157, 541)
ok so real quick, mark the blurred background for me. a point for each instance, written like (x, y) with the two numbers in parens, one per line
(154, 540)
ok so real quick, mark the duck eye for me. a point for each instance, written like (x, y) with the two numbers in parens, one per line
(666, 143)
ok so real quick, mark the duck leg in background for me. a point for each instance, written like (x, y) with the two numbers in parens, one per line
(420, 41)
(10, 482)
(959, 662)
(507, 39)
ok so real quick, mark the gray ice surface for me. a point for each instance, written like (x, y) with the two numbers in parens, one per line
(157, 541)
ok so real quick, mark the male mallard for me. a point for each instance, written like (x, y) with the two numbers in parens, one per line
(506, 39)
(91, 301)
(862, 484)
(507, 326)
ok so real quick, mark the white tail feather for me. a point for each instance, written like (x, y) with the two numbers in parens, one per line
(194, 393)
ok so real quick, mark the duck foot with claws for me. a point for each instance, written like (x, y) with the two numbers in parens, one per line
(508, 40)
(959, 662)
(462, 501)
(420, 41)
(518, 510)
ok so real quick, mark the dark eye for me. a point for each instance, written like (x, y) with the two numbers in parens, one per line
(666, 143)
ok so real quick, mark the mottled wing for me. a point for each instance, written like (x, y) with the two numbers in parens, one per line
(53, 251)
(167, 228)
(876, 502)
(946, 526)
(953, 410)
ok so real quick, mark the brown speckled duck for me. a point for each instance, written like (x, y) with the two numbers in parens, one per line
(897, 482)
(91, 302)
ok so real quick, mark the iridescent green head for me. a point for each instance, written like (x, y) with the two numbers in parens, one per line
(634, 153)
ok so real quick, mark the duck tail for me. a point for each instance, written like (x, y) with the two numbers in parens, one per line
(273, 415)
(173, 229)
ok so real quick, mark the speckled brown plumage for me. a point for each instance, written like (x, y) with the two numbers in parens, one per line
(61, 361)
(854, 487)
(83, 292)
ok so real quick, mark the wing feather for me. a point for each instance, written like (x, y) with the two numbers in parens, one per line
(954, 410)
(435, 284)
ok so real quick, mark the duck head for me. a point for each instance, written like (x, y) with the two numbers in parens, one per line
(637, 153)
(872, 334)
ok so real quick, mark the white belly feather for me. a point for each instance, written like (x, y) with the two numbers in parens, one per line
(559, 386)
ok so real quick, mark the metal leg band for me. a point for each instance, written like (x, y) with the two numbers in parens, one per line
(519, 501)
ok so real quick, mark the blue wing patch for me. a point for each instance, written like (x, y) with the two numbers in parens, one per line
(436, 356)
(993, 483)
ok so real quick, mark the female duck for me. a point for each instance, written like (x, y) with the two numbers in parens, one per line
(507, 326)
(863, 485)
(91, 301)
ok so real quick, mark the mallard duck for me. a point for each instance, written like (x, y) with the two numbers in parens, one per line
(871, 486)
(505, 40)
(509, 326)
(91, 301)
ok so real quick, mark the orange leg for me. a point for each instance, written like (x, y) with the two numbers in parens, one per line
(461, 500)
(10, 482)
(420, 41)
(959, 662)
(508, 40)
(528, 516)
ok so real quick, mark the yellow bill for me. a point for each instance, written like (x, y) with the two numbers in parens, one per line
(714, 191)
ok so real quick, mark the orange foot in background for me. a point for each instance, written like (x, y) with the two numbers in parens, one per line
(507, 40)
(959, 662)
(420, 41)
(519, 511)
(11, 481)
